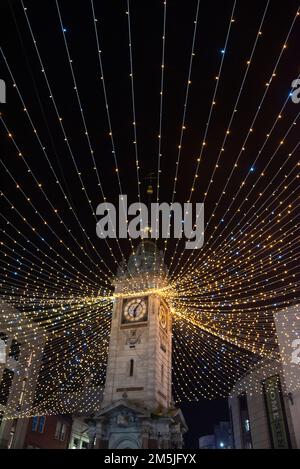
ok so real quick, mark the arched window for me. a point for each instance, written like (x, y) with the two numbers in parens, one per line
(131, 367)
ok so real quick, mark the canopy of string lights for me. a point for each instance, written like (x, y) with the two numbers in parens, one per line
(98, 97)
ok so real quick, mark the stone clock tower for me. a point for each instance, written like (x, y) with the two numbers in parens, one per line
(137, 409)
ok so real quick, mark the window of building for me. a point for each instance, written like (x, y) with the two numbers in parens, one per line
(162, 373)
(38, 424)
(42, 422)
(5, 386)
(61, 430)
(247, 425)
(35, 422)
(131, 367)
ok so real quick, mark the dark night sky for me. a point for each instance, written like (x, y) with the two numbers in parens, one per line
(146, 20)
(147, 23)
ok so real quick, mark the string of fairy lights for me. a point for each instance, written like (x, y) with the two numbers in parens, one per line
(261, 223)
(185, 109)
(57, 290)
(235, 111)
(82, 116)
(213, 103)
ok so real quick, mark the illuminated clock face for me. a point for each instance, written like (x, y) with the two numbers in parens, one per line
(135, 310)
(163, 317)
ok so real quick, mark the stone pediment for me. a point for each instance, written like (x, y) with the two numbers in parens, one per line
(126, 412)
(120, 406)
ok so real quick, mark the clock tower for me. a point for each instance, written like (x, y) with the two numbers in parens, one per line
(137, 408)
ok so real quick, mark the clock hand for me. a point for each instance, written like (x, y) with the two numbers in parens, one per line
(134, 311)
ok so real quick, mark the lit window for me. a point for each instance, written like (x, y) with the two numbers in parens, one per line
(5, 386)
(60, 432)
(35, 422)
(58, 429)
(63, 432)
(3, 341)
(76, 443)
(42, 422)
(38, 424)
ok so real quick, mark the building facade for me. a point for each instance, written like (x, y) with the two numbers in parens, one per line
(19, 370)
(48, 432)
(262, 410)
(265, 403)
(287, 324)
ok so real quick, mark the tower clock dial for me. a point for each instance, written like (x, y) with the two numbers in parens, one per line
(135, 310)
(163, 317)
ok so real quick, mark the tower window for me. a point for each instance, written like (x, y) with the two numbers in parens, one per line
(38, 424)
(131, 367)
(162, 373)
